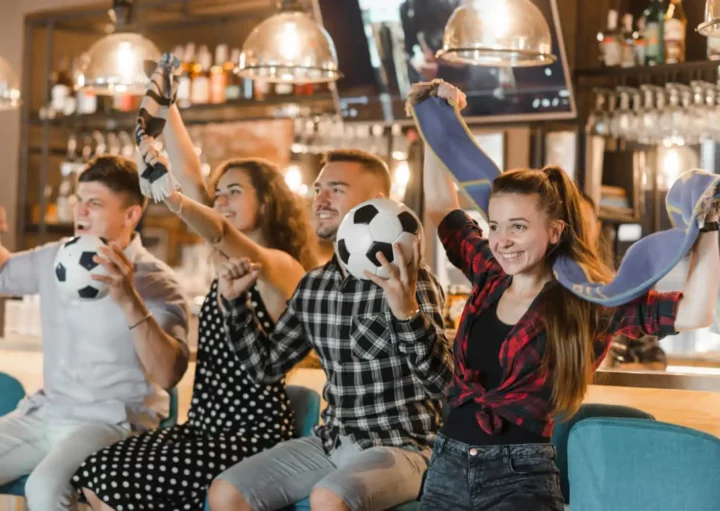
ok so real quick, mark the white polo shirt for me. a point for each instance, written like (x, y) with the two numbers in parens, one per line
(91, 370)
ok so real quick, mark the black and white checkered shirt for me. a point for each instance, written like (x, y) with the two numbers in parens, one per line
(385, 377)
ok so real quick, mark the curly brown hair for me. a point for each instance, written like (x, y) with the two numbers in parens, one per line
(285, 223)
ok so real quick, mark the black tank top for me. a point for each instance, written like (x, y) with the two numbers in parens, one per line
(487, 333)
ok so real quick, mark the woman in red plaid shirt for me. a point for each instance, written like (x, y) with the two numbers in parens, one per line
(526, 347)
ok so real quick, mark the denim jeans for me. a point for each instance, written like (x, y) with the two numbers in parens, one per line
(520, 477)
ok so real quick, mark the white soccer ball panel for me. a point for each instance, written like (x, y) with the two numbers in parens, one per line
(358, 238)
(358, 263)
(385, 227)
(406, 242)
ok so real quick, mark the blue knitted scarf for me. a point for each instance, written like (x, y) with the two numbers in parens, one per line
(647, 261)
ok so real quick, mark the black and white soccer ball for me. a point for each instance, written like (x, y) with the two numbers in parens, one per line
(371, 227)
(74, 267)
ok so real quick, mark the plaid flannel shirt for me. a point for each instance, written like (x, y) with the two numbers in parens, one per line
(524, 395)
(385, 377)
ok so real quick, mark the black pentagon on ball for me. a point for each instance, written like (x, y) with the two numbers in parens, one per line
(343, 251)
(409, 222)
(72, 241)
(86, 260)
(379, 246)
(365, 214)
(60, 272)
(88, 292)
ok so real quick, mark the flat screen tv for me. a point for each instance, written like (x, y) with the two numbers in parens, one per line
(384, 46)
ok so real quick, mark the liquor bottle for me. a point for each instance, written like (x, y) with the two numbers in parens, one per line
(640, 42)
(675, 28)
(62, 86)
(627, 56)
(200, 88)
(262, 89)
(655, 33)
(65, 201)
(183, 90)
(610, 41)
(233, 89)
(218, 75)
(713, 48)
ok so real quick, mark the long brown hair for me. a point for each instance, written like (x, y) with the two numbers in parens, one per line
(284, 223)
(572, 323)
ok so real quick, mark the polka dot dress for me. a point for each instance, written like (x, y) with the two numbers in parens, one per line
(230, 419)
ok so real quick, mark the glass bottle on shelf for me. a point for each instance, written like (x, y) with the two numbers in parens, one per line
(183, 90)
(234, 87)
(62, 86)
(65, 201)
(218, 75)
(610, 41)
(200, 88)
(675, 30)
(713, 48)
(654, 32)
(261, 89)
(640, 42)
(87, 101)
(627, 57)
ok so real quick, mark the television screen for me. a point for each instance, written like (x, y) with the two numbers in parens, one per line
(400, 39)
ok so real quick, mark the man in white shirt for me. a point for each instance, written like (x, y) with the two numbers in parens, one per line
(101, 357)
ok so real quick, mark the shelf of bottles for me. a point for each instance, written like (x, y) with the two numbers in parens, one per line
(208, 91)
(650, 51)
(312, 136)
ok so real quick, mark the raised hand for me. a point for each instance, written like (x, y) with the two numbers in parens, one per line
(401, 285)
(121, 272)
(236, 276)
(420, 91)
(156, 181)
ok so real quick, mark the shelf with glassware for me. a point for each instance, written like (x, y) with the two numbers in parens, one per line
(638, 140)
(240, 109)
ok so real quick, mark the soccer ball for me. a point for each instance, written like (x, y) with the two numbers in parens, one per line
(74, 266)
(371, 227)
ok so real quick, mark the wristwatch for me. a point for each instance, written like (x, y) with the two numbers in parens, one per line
(709, 227)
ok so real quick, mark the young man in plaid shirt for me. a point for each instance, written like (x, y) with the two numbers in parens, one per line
(384, 351)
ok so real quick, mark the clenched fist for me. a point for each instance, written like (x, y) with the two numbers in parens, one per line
(236, 276)
(440, 88)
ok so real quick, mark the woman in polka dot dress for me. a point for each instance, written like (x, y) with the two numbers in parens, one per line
(254, 216)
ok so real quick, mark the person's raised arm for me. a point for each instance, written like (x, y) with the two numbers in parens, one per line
(277, 268)
(184, 161)
(440, 193)
(462, 238)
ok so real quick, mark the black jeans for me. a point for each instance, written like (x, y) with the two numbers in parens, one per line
(520, 477)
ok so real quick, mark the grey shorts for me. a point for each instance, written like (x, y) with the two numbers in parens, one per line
(376, 478)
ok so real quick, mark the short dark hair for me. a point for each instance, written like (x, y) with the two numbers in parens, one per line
(117, 173)
(369, 162)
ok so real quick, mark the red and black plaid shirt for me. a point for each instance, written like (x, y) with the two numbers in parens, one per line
(524, 395)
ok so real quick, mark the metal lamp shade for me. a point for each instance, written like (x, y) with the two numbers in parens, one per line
(115, 64)
(498, 33)
(289, 47)
(711, 26)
